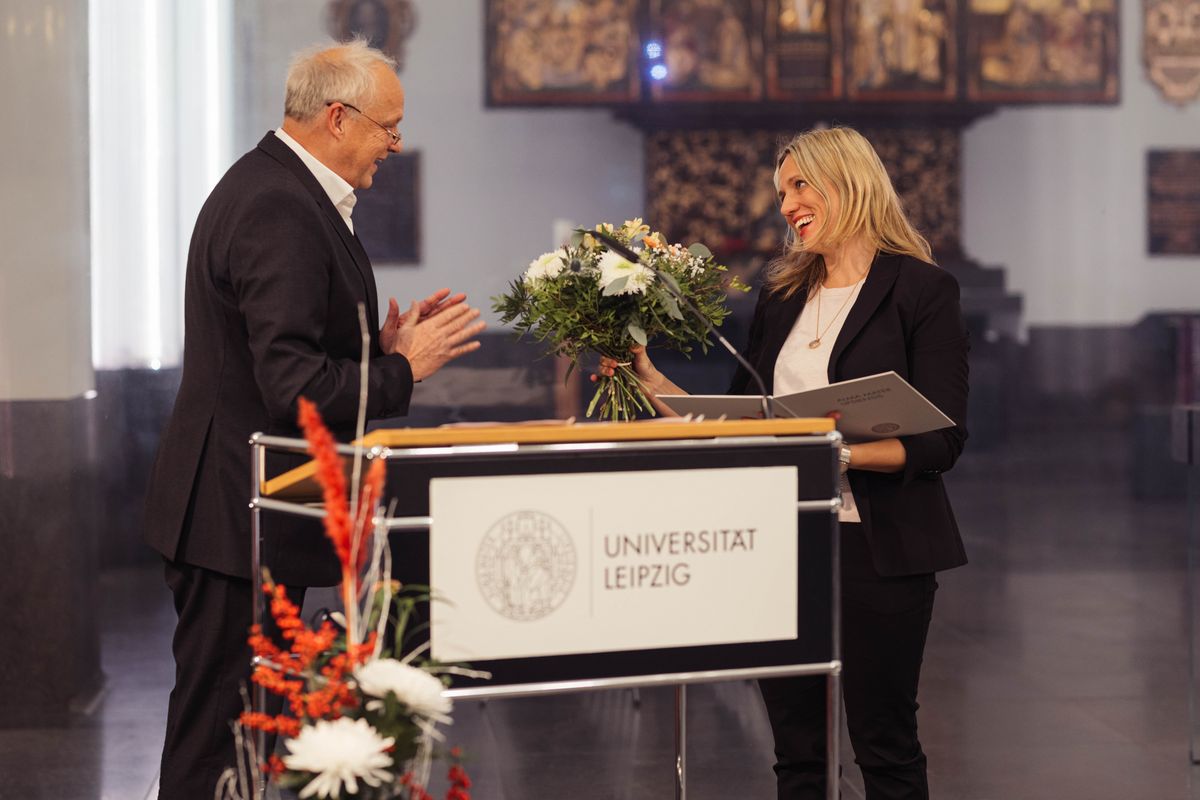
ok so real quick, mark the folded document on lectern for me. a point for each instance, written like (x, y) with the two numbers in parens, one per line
(875, 407)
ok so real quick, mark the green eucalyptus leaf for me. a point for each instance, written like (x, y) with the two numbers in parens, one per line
(699, 250)
(616, 286)
(670, 304)
(670, 280)
(637, 332)
(577, 237)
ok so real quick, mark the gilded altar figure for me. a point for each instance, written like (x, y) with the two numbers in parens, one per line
(802, 16)
(899, 44)
(869, 56)
(932, 30)
(1016, 59)
(729, 67)
(576, 47)
(1074, 51)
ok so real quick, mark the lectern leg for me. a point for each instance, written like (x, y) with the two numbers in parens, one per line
(258, 702)
(680, 742)
(833, 732)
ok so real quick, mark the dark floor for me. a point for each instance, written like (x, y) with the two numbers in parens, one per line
(1056, 669)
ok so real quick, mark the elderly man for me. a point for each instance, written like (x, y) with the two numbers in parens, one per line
(275, 274)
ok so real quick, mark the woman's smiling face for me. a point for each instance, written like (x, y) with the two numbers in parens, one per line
(806, 211)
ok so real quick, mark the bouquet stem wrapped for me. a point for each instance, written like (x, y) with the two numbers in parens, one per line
(620, 397)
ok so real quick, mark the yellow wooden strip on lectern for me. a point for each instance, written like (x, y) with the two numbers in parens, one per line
(298, 483)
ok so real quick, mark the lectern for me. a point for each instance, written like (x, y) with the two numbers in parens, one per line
(601, 555)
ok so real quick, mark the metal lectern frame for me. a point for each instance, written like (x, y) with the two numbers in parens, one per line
(832, 669)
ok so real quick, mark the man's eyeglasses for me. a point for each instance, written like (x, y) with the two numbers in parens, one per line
(393, 134)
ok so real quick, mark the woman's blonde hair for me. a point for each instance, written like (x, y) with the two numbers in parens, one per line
(842, 159)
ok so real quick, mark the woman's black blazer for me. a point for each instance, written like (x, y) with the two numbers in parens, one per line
(907, 319)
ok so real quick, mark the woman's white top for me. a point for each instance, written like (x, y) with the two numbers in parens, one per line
(800, 367)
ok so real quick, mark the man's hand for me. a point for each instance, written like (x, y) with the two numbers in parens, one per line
(431, 306)
(428, 342)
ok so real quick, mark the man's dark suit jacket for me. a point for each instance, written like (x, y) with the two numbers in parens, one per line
(274, 277)
(907, 319)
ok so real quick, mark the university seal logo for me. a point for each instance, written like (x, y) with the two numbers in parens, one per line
(526, 565)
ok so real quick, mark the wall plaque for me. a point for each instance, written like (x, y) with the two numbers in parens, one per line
(1042, 51)
(712, 49)
(803, 49)
(1173, 202)
(387, 217)
(565, 52)
(385, 24)
(1171, 47)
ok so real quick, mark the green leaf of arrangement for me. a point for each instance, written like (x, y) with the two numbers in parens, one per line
(638, 334)
(669, 279)
(577, 237)
(616, 286)
(670, 304)
(697, 249)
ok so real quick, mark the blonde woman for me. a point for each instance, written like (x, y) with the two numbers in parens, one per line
(857, 293)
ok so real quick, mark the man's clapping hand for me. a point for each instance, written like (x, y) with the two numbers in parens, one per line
(432, 332)
(431, 306)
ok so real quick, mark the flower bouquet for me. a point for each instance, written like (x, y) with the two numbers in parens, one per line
(584, 297)
(357, 721)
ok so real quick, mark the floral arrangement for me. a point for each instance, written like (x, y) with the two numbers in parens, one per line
(357, 721)
(585, 298)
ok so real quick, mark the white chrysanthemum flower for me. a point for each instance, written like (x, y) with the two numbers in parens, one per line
(343, 751)
(547, 265)
(613, 267)
(412, 686)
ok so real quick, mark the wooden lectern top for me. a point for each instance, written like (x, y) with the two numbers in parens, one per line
(298, 484)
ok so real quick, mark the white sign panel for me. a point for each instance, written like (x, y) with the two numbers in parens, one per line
(543, 565)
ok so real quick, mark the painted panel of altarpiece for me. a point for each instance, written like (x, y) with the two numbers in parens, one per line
(562, 52)
(1043, 51)
(901, 50)
(712, 49)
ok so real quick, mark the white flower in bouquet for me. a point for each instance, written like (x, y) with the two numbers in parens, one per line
(547, 265)
(416, 688)
(343, 751)
(613, 268)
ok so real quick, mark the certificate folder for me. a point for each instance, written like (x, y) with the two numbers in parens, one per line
(875, 407)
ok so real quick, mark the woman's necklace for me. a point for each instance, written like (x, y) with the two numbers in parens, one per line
(815, 343)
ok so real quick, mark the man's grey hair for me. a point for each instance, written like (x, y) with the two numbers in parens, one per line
(322, 74)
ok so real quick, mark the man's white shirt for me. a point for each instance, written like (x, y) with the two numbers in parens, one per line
(341, 194)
